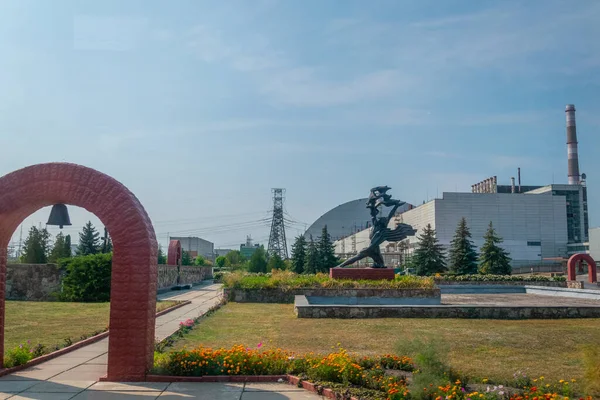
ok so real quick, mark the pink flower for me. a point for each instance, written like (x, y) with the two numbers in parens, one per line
(259, 345)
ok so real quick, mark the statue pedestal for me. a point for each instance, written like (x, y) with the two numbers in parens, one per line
(362, 273)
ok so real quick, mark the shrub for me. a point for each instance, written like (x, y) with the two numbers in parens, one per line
(20, 355)
(433, 370)
(87, 278)
(499, 278)
(287, 280)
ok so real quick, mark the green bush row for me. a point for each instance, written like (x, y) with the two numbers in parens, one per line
(500, 278)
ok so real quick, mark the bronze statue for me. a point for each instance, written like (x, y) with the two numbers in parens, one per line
(380, 232)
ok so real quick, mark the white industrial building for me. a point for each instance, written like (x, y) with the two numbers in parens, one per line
(538, 227)
(196, 246)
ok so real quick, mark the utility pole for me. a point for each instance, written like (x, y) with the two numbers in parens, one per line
(277, 242)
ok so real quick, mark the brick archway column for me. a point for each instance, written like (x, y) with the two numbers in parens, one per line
(174, 253)
(572, 265)
(134, 265)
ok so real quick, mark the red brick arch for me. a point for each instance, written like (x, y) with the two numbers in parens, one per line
(575, 259)
(174, 253)
(134, 270)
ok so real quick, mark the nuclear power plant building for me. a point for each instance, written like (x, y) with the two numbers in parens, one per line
(540, 224)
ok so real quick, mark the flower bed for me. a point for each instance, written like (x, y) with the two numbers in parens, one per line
(338, 367)
(343, 375)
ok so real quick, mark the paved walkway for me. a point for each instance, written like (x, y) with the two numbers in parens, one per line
(75, 375)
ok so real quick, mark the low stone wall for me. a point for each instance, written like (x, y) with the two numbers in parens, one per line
(446, 311)
(287, 297)
(509, 283)
(34, 282)
(167, 275)
(39, 282)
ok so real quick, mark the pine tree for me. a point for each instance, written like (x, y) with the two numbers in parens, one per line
(463, 257)
(493, 258)
(67, 249)
(299, 254)
(428, 258)
(59, 250)
(312, 257)
(326, 250)
(162, 258)
(36, 246)
(89, 241)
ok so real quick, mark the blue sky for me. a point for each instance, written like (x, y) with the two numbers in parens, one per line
(218, 102)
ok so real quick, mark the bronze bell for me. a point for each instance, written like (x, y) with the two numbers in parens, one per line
(59, 216)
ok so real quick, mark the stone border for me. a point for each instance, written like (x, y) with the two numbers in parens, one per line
(305, 310)
(288, 296)
(76, 346)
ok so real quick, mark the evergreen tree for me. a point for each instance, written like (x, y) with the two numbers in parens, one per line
(36, 246)
(312, 257)
(162, 258)
(493, 258)
(428, 258)
(326, 250)
(258, 261)
(59, 250)
(186, 259)
(463, 257)
(107, 245)
(89, 241)
(299, 254)
(275, 262)
(67, 250)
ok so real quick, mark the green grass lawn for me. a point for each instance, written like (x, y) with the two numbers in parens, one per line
(481, 348)
(50, 323)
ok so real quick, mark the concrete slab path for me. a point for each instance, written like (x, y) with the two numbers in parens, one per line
(75, 375)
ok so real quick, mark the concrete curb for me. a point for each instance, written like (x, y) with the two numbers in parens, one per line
(75, 346)
(289, 379)
(217, 378)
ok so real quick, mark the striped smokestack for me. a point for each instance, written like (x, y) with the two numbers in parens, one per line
(573, 158)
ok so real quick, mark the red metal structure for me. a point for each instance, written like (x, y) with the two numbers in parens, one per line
(134, 269)
(174, 253)
(577, 258)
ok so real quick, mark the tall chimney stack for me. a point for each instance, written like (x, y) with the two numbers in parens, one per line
(512, 184)
(572, 157)
(519, 178)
